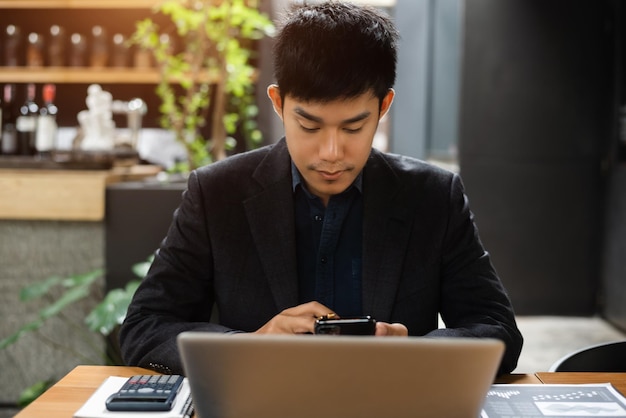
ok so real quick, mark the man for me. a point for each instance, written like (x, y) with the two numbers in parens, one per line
(320, 222)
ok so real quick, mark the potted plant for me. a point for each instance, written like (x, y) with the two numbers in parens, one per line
(206, 62)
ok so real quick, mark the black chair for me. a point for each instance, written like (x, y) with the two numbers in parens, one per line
(606, 357)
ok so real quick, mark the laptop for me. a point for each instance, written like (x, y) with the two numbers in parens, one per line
(285, 376)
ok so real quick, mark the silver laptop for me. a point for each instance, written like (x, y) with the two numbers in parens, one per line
(241, 376)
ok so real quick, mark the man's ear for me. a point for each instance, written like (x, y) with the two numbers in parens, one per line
(386, 103)
(273, 92)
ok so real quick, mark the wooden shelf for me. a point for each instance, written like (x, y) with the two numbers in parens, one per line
(77, 4)
(67, 75)
(59, 75)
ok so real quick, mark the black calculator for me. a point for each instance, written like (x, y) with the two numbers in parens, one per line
(146, 393)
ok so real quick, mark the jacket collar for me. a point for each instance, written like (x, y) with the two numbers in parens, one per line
(385, 230)
(270, 214)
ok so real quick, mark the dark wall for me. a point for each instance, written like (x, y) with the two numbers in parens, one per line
(536, 119)
(137, 218)
(614, 251)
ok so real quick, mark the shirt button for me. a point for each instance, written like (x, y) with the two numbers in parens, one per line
(323, 260)
(318, 218)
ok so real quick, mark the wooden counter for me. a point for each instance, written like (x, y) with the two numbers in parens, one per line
(66, 195)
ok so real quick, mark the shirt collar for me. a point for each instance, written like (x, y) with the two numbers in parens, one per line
(296, 179)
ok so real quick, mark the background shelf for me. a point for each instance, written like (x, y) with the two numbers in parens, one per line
(77, 4)
(60, 75)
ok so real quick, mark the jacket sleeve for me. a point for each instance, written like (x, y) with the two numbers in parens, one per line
(474, 302)
(177, 293)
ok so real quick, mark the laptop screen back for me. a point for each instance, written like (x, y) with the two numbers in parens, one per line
(337, 376)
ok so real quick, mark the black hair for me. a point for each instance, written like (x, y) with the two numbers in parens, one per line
(335, 50)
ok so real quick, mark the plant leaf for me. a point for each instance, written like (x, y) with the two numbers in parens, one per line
(11, 339)
(112, 310)
(84, 279)
(141, 269)
(70, 296)
(36, 290)
(33, 392)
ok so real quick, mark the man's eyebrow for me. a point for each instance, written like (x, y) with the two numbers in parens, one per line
(300, 111)
(358, 117)
(317, 119)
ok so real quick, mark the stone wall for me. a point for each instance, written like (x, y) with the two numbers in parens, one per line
(31, 251)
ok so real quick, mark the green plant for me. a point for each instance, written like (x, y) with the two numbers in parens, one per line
(104, 319)
(213, 70)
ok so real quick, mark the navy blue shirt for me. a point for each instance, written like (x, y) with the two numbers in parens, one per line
(329, 247)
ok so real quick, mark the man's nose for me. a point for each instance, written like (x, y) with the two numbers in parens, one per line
(331, 148)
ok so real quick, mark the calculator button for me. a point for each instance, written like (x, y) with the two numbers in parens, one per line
(145, 390)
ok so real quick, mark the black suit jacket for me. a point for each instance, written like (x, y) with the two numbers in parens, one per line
(232, 244)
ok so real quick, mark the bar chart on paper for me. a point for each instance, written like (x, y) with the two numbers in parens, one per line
(589, 400)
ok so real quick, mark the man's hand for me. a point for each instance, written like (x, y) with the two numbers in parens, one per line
(384, 329)
(297, 320)
(301, 320)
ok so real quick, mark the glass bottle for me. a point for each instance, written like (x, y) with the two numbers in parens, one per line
(56, 46)
(78, 50)
(9, 136)
(12, 46)
(26, 123)
(142, 58)
(46, 137)
(34, 50)
(120, 51)
(99, 56)
(168, 40)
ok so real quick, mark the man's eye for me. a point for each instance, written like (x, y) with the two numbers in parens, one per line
(353, 130)
(305, 129)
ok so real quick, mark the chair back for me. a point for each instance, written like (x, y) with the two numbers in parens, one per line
(606, 357)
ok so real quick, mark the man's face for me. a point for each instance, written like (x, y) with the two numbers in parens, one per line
(329, 142)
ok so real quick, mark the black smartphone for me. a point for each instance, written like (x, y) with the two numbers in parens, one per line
(359, 325)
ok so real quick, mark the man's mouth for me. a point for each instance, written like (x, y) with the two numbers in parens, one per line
(330, 175)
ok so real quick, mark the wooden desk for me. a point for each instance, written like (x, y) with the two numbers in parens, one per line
(618, 380)
(69, 393)
(72, 391)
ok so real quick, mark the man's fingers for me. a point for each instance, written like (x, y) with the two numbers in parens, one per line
(296, 320)
(384, 329)
(311, 309)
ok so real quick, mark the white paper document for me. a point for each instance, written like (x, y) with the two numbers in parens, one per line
(95, 406)
(553, 400)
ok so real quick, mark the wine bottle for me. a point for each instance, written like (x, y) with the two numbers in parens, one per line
(9, 138)
(26, 123)
(46, 135)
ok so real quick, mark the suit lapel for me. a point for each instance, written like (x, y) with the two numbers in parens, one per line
(386, 229)
(271, 217)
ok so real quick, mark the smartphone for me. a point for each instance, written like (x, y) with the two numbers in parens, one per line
(359, 325)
